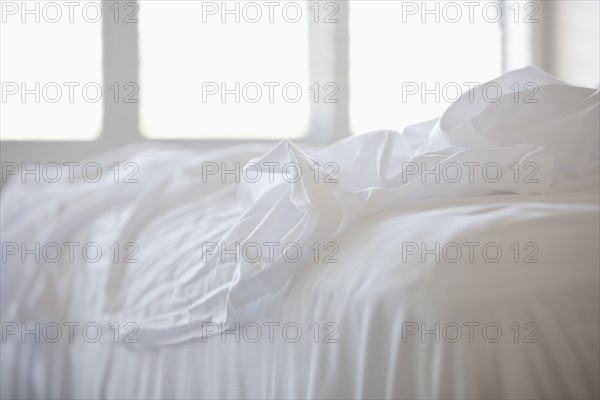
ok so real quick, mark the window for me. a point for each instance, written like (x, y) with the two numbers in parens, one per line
(219, 70)
(223, 70)
(51, 71)
(410, 60)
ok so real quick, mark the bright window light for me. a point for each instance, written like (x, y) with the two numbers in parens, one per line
(51, 70)
(205, 75)
(404, 70)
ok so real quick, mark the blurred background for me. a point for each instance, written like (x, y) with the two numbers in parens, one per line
(82, 77)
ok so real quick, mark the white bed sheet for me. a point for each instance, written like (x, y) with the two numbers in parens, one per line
(372, 294)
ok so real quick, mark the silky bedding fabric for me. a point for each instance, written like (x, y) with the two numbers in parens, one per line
(390, 316)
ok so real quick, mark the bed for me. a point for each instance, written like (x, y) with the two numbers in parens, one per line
(456, 259)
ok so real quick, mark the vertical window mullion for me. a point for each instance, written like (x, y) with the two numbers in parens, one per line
(120, 72)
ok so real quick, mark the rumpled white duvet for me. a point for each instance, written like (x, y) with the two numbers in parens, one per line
(522, 177)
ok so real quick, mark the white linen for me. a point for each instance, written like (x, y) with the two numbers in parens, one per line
(377, 206)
